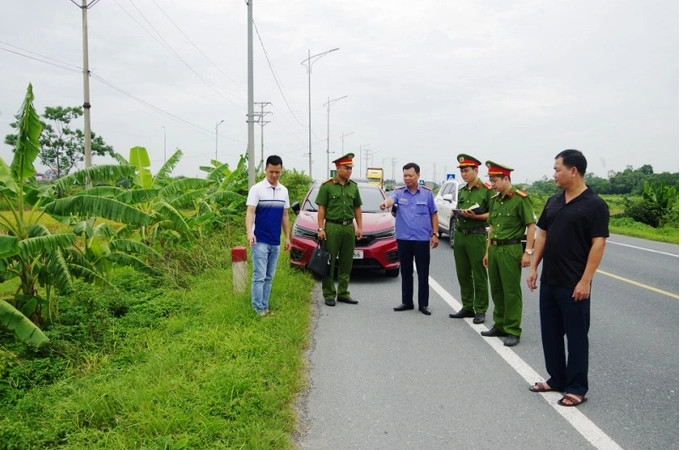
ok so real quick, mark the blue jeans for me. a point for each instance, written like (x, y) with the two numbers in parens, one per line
(264, 265)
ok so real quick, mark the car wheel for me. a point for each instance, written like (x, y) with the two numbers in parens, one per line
(452, 230)
(392, 273)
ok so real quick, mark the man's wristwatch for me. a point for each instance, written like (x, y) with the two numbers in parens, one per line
(529, 251)
(433, 234)
(320, 229)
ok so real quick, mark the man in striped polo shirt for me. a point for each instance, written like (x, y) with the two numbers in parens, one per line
(266, 215)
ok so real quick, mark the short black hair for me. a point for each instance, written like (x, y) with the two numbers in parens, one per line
(573, 158)
(414, 166)
(273, 160)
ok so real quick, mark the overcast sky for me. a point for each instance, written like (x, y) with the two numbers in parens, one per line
(510, 81)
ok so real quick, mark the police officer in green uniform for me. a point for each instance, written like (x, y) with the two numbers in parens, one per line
(470, 241)
(339, 202)
(510, 213)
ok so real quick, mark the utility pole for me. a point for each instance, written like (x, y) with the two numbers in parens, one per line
(251, 131)
(84, 6)
(261, 120)
(361, 155)
(392, 168)
(368, 153)
(328, 116)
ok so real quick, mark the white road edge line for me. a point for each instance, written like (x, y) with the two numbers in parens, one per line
(642, 248)
(579, 421)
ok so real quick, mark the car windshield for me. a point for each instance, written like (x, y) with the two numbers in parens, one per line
(371, 198)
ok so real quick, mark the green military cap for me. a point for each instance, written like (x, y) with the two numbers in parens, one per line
(345, 160)
(496, 169)
(465, 160)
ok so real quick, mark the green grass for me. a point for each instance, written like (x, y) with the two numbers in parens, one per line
(628, 227)
(618, 224)
(206, 373)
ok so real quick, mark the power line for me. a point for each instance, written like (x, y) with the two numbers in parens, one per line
(40, 58)
(276, 80)
(194, 45)
(165, 44)
(51, 61)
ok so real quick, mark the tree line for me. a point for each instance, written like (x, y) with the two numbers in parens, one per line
(649, 198)
(630, 181)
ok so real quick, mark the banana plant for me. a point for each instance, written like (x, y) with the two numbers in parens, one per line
(227, 196)
(162, 197)
(29, 251)
(27, 248)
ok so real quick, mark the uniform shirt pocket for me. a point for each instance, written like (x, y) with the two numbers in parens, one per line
(422, 208)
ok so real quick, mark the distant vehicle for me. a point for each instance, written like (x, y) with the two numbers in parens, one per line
(377, 250)
(446, 200)
(375, 176)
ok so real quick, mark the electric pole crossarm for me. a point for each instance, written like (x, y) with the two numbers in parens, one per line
(262, 122)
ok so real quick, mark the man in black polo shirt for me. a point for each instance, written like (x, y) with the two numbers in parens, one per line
(571, 241)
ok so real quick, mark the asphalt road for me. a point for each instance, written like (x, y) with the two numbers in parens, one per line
(386, 380)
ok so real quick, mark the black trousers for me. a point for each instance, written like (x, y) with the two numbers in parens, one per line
(409, 251)
(562, 317)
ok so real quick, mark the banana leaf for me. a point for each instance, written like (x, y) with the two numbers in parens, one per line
(20, 325)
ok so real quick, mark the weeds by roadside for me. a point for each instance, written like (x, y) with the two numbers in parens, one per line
(157, 366)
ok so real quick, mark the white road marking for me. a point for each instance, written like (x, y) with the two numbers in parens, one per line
(579, 421)
(642, 248)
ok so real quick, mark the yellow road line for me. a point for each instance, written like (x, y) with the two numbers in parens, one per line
(636, 283)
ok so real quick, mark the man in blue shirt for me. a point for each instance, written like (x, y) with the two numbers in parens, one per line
(416, 231)
(266, 215)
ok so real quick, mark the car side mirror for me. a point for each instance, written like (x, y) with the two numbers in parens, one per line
(296, 208)
(448, 197)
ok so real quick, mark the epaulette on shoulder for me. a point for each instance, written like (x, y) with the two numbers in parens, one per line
(352, 181)
(495, 195)
(426, 187)
(401, 187)
(487, 185)
(520, 193)
(327, 180)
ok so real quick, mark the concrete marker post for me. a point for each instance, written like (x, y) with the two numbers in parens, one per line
(239, 269)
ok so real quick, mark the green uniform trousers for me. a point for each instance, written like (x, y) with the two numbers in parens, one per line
(503, 263)
(340, 243)
(469, 250)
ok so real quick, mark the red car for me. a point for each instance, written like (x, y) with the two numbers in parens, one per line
(376, 250)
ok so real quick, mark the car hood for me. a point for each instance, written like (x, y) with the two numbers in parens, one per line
(371, 222)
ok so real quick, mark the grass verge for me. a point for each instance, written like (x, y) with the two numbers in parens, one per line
(203, 371)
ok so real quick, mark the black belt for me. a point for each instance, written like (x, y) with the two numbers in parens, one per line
(506, 242)
(340, 222)
(480, 230)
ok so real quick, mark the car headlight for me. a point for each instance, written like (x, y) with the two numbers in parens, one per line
(303, 233)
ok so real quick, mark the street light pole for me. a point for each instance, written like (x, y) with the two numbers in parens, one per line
(164, 143)
(328, 115)
(216, 138)
(308, 64)
(343, 141)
